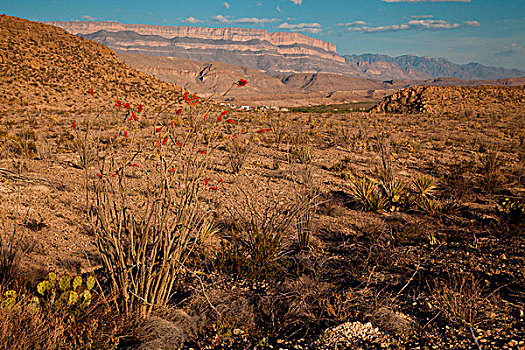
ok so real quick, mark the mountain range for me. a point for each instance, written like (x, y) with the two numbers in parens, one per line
(273, 53)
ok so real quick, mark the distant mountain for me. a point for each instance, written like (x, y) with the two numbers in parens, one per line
(415, 67)
(45, 67)
(273, 53)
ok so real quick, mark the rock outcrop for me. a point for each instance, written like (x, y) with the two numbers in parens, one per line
(482, 100)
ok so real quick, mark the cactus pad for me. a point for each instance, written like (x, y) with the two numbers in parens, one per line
(43, 287)
(90, 282)
(65, 282)
(77, 282)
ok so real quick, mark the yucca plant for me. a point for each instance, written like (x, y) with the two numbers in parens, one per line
(429, 206)
(424, 186)
(366, 193)
(396, 195)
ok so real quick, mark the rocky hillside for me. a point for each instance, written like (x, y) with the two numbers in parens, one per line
(338, 82)
(45, 67)
(205, 78)
(484, 100)
(301, 89)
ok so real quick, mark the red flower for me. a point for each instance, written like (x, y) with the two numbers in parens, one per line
(179, 111)
(243, 131)
(231, 121)
(206, 115)
(262, 131)
(99, 175)
(126, 134)
(139, 108)
(74, 125)
(179, 144)
(207, 181)
(114, 175)
(242, 82)
(213, 188)
(92, 92)
(134, 165)
(191, 101)
(158, 129)
(165, 140)
(126, 105)
(201, 151)
(118, 104)
(221, 115)
(220, 180)
(172, 170)
(235, 135)
(172, 124)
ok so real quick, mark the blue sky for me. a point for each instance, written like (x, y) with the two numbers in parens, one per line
(491, 32)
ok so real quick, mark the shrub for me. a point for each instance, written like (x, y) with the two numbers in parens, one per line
(490, 165)
(238, 151)
(258, 225)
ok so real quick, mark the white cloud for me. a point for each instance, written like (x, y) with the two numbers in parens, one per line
(472, 24)
(352, 24)
(226, 5)
(89, 18)
(312, 28)
(416, 24)
(308, 30)
(286, 25)
(192, 20)
(426, 1)
(511, 50)
(422, 16)
(297, 2)
(252, 20)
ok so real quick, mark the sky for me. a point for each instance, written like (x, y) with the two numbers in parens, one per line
(491, 32)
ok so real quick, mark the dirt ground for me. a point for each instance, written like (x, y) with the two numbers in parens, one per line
(450, 274)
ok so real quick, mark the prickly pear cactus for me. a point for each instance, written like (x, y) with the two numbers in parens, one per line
(67, 293)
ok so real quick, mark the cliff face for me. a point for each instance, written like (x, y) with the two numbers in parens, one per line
(273, 53)
(281, 42)
(233, 34)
